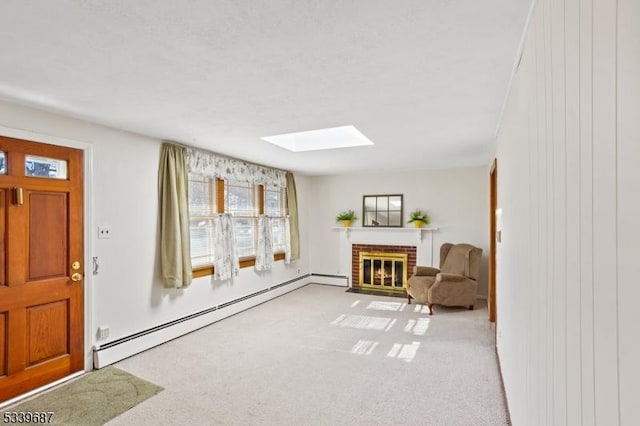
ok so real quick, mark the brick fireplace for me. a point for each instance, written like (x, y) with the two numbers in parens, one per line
(356, 249)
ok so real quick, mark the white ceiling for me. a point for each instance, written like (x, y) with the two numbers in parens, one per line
(425, 80)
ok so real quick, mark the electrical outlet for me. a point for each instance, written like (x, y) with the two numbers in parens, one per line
(104, 232)
(103, 332)
(298, 271)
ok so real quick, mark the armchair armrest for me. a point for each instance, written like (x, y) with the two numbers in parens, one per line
(425, 271)
(443, 276)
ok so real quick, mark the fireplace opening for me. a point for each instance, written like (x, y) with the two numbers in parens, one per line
(386, 271)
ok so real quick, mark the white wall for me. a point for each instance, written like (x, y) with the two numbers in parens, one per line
(127, 294)
(457, 201)
(568, 155)
(628, 180)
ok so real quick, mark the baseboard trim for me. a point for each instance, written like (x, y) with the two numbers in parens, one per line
(326, 279)
(504, 389)
(125, 347)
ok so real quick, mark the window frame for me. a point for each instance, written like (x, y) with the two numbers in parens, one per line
(245, 262)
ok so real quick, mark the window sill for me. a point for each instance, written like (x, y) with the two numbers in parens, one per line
(244, 263)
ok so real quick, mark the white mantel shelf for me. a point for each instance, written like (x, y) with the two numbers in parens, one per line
(417, 231)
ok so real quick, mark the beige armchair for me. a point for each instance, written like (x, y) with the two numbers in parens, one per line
(454, 284)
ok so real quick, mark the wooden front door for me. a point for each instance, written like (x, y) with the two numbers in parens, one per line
(41, 265)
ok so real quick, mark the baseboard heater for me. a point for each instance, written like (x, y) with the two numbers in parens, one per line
(125, 347)
(328, 279)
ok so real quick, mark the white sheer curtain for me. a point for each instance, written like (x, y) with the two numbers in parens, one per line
(264, 251)
(226, 263)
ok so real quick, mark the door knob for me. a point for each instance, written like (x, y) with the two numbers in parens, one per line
(76, 277)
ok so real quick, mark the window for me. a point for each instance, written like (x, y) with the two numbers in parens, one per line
(202, 208)
(275, 206)
(240, 199)
(209, 196)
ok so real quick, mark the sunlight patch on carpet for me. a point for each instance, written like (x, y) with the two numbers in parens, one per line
(386, 306)
(421, 309)
(364, 347)
(417, 327)
(364, 322)
(404, 352)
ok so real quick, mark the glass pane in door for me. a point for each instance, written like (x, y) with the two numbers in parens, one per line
(45, 167)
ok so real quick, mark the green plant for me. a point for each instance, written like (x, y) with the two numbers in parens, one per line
(346, 215)
(418, 214)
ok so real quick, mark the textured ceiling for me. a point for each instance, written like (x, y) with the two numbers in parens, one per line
(425, 80)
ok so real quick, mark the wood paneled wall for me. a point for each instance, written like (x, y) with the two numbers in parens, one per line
(569, 155)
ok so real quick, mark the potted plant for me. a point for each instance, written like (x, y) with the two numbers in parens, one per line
(418, 217)
(346, 217)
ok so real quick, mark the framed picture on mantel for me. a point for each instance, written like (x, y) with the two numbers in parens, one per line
(383, 210)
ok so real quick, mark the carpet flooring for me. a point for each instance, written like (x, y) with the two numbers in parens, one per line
(92, 399)
(322, 356)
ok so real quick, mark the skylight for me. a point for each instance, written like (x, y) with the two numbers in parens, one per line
(313, 140)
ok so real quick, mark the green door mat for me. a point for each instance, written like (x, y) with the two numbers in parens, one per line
(93, 399)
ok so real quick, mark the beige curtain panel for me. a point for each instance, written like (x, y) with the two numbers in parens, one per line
(292, 206)
(173, 186)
